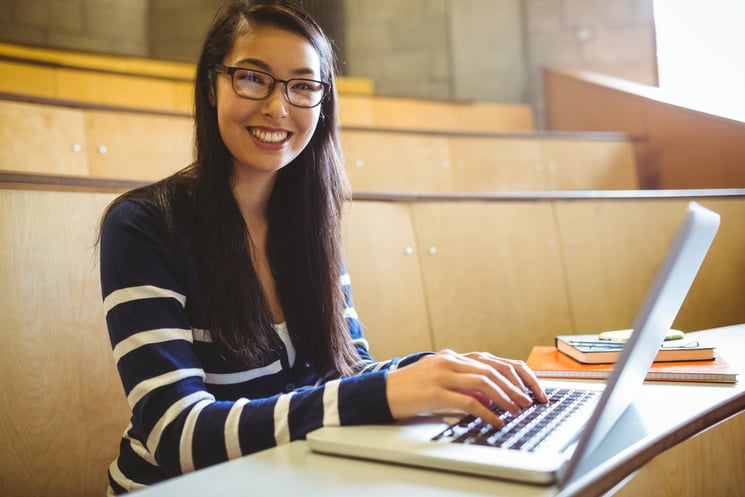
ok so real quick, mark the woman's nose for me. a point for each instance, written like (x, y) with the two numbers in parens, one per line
(276, 104)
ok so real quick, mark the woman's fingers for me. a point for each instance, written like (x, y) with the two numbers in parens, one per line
(494, 377)
(470, 382)
(516, 372)
(471, 404)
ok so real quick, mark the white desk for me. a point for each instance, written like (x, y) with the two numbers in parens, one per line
(663, 415)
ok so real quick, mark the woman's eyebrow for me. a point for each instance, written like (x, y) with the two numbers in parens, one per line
(300, 71)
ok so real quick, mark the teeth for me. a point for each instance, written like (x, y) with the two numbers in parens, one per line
(270, 137)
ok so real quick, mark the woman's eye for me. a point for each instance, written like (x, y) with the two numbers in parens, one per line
(253, 77)
(305, 85)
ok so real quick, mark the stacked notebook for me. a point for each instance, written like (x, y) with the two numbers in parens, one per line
(589, 357)
(590, 349)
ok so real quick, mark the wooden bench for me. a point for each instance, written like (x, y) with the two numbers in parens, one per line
(54, 137)
(504, 272)
(110, 79)
(403, 160)
(375, 111)
(163, 86)
(50, 138)
(686, 147)
(499, 272)
(63, 408)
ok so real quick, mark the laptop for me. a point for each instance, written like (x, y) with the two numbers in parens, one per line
(532, 447)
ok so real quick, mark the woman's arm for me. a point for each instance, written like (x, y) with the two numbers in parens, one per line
(177, 424)
(470, 382)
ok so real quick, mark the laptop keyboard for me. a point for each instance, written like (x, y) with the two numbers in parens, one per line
(526, 430)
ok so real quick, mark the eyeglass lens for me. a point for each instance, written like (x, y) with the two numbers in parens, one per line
(258, 85)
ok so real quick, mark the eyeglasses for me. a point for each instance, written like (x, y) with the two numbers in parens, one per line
(258, 85)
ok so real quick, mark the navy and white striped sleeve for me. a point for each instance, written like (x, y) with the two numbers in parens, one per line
(177, 424)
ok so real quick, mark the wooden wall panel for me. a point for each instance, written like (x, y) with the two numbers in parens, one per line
(115, 89)
(490, 116)
(701, 465)
(62, 409)
(383, 264)
(612, 249)
(716, 297)
(433, 115)
(492, 275)
(397, 161)
(683, 147)
(483, 164)
(42, 138)
(693, 150)
(28, 80)
(575, 105)
(576, 164)
(437, 162)
(137, 146)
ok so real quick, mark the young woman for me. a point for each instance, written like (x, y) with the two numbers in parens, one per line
(227, 302)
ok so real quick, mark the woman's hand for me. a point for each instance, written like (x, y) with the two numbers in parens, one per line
(469, 382)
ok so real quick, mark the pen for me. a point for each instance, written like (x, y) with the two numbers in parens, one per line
(605, 344)
(609, 344)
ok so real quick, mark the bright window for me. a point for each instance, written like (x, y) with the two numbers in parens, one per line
(701, 53)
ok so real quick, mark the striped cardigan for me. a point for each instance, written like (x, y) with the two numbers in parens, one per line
(190, 408)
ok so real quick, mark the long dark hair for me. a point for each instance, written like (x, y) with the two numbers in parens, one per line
(304, 213)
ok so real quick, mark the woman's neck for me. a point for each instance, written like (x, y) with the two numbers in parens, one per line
(252, 193)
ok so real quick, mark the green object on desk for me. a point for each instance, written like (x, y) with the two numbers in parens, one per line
(624, 335)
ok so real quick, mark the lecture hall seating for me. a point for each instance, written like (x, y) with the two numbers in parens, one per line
(420, 161)
(49, 137)
(490, 272)
(491, 268)
(685, 147)
(167, 87)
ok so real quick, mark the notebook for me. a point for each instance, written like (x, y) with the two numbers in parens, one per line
(436, 440)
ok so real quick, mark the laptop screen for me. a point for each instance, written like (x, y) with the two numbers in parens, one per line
(655, 317)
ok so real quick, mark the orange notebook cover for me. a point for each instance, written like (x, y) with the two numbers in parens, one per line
(548, 362)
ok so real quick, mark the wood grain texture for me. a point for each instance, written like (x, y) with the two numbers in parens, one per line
(433, 162)
(612, 249)
(492, 274)
(135, 146)
(42, 138)
(387, 287)
(424, 114)
(397, 161)
(589, 164)
(684, 148)
(709, 463)
(496, 164)
(63, 409)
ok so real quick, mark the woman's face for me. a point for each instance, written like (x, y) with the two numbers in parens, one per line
(265, 135)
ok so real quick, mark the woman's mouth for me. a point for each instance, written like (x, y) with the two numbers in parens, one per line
(267, 136)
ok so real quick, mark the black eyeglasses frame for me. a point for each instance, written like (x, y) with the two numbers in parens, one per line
(231, 70)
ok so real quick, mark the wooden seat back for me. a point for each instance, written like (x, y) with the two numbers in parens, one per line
(63, 409)
(499, 273)
(401, 161)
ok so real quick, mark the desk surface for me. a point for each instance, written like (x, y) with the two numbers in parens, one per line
(663, 415)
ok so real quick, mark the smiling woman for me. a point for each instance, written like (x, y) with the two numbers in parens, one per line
(248, 99)
(227, 301)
